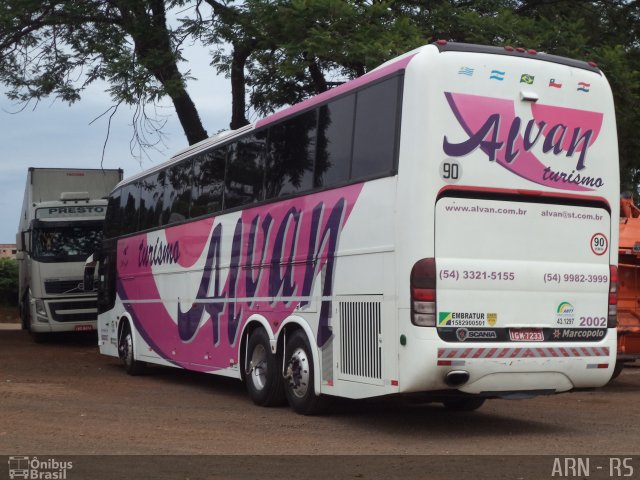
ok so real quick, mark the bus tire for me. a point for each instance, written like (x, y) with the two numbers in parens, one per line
(263, 376)
(300, 375)
(617, 370)
(463, 404)
(126, 352)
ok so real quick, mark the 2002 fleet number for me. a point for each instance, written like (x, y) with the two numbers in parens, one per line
(593, 321)
(584, 321)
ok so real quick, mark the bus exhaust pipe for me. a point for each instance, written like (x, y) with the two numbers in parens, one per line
(456, 378)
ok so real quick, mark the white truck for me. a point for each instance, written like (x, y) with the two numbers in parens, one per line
(60, 226)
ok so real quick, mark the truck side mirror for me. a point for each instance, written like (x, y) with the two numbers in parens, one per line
(26, 241)
(88, 280)
(22, 242)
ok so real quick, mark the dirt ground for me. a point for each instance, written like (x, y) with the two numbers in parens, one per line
(63, 398)
(9, 315)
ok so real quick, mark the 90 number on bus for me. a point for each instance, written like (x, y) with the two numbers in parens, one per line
(450, 170)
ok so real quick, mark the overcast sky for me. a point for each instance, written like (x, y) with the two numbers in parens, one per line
(58, 135)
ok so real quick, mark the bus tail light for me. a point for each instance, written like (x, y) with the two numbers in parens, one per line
(423, 293)
(612, 320)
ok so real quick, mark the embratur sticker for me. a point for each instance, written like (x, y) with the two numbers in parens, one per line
(461, 319)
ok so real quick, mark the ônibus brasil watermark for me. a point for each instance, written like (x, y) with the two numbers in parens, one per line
(33, 468)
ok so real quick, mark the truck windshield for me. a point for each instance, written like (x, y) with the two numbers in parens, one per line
(66, 244)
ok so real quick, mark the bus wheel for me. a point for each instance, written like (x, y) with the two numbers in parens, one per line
(463, 404)
(262, 373)
(299, 377)
(126, 354)
(617, 370)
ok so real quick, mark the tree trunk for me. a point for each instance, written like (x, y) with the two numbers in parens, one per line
(317, 77)
(188, 116)
(238, 105)
(152, 41)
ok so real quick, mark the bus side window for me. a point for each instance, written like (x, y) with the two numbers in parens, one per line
(177, 193)
(107, 278)
(208, 182)
(291, 155)
(244, 181)
(130, 208)
(374, 140)
(150, 202)
(113, 220)
(335, 128)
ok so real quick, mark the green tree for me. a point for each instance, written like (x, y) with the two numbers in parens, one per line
(59, 47)
(312, 45)
(8, 281)
(278, 52)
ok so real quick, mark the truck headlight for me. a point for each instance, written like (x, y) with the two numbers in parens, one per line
(40, 309)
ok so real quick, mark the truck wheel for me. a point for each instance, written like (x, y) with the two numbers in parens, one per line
(37, 337)
(263, 376)
(299, 377)
(24, 313)
(126, 352)
(463, 404)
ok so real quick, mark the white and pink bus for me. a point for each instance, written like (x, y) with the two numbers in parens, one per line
(442, 225)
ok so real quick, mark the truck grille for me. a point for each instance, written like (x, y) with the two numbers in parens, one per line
(67, 311)
(53, 287)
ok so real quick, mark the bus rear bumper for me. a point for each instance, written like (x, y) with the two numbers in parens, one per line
(513, 385)
(530, 367)
(505, 370)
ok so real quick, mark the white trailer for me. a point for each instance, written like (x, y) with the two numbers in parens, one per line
(60, 225)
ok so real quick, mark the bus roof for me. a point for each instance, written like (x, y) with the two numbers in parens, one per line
(444, 46)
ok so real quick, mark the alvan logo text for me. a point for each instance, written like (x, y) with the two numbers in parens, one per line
(282, 258)
(492, 126)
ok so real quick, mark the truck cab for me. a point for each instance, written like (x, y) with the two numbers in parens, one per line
(59, 229)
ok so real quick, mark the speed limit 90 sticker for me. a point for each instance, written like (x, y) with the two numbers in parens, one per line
(599, 244)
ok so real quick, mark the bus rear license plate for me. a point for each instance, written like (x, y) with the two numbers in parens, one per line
(83, 328)
(526, 335)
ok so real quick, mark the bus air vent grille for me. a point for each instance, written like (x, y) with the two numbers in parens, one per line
(360, 340)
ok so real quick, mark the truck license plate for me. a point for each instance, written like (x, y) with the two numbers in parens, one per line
(84, 328)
